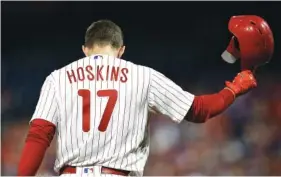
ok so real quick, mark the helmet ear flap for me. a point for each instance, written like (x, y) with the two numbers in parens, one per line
(232, 52)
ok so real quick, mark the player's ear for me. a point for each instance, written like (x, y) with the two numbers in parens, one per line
(85, 50)
(121, 51)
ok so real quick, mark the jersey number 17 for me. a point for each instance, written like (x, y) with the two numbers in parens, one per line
(112, 95)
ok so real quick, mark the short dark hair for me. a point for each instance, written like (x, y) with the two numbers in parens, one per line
(104, 32)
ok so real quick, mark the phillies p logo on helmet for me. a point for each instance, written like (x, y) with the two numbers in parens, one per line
(252, 42)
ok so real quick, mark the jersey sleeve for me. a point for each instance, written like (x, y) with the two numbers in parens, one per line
(167, 98)
(47, 105)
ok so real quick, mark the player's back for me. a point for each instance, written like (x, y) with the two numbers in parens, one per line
(103, 110)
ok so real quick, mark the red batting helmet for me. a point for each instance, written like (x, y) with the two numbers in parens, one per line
(252, 41)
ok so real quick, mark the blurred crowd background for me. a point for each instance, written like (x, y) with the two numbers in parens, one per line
(184, 41)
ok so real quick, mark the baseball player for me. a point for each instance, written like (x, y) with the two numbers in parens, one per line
(98, 106)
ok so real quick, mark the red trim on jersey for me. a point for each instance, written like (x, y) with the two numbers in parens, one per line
(40, 135)
(208, 106)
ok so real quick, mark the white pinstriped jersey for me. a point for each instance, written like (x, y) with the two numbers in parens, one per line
(100, 106)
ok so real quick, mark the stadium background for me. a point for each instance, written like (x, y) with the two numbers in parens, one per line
(184, 41)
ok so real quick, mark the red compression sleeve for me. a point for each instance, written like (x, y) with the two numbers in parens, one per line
(208, 106)
(39, 137)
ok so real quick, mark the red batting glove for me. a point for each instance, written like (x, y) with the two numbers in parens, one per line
(242, 83)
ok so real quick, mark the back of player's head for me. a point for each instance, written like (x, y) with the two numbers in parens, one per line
(102, 33)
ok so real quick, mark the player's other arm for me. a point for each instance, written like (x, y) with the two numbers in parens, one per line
(41, 131)
(167, 98)
(208, 106)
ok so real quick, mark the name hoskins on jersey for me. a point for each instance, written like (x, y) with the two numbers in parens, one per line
(100, 106)
(112, 73)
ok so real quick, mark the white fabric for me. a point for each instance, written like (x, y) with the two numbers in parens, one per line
(226, 56)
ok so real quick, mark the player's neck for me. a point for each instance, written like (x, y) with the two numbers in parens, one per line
(107, 50)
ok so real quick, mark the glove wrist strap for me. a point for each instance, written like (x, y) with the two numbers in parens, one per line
(233, 93)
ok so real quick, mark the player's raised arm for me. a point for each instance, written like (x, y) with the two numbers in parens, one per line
(41, 131)
(208, 106)
(167, 98)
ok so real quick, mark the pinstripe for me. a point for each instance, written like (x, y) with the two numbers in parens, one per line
(170, 87)
(71, 123)
(160, 105)
(45, 97)
(139, 135)
(112, 121)
(136, 116)
(118, 115)
(121, 163)
(143, 97)
(133, 118)
(104, 143)
(57, 130)
(59, 133)
(144, 123)
(91, 149)
(167, 97)
(144, 116)
(90, 121)
(50, 106)
(54, 113)
(130, 111)
(65, 117)
(76, 120)
(112, 125)
(149, 85)
(82, 133)
(95, 115)
(99, 134)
